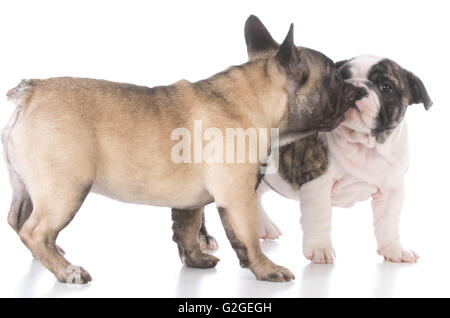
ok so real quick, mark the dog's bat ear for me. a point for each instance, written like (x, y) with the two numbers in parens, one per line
(417, 91)
(340, 63)
(287, 55)
(257, 38)
(289, 58)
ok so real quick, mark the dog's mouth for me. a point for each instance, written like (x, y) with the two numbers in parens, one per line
(358, 111)
(354, 116)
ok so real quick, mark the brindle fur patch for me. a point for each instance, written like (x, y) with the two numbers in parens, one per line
(303, 160)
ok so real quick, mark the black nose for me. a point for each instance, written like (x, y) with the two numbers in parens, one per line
(360, 93)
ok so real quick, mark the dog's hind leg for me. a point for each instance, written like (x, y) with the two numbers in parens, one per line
(186, 226)
(53, 192)
(21, 204)
(53, 209)
(53, 156)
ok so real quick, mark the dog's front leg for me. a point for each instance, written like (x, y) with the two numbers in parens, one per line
(315, 205)
(386, 207)
(238, 210)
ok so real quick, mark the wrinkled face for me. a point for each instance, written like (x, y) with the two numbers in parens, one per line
(389, 90)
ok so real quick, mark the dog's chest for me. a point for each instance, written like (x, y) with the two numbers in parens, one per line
(362, 171)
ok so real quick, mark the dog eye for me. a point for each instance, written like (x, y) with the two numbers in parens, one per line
(385, 88)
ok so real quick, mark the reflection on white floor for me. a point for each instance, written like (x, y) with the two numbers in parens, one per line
(129, 252)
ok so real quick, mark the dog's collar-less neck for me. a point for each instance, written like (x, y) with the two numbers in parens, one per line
(354, 137)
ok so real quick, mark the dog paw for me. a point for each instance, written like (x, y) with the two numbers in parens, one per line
(75, 275)
(319, 251)
(394, 252)
(320, 255)
(199, 260)
(273, 273)
(268, 230)
(207, 242)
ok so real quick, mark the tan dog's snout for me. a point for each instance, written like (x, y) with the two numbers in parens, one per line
(353, 92)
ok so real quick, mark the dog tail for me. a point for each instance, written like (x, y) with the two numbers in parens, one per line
(20, 94)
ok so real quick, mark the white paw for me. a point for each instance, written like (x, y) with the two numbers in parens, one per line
(320, 255)
(394, 252)
(267, 229)
(319, 251)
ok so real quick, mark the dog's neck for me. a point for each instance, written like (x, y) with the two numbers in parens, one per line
(354, 149)
(366, 140)
(352, 136)
(255, 90)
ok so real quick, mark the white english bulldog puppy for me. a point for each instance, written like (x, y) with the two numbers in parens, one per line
(365, 157)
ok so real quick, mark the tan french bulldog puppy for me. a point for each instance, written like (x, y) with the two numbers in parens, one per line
(71, 136)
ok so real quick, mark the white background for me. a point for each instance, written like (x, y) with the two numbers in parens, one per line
(128, 248)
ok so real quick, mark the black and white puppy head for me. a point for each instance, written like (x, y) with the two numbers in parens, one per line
(390, 89)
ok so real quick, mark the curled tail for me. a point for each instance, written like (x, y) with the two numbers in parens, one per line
(20, 94)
